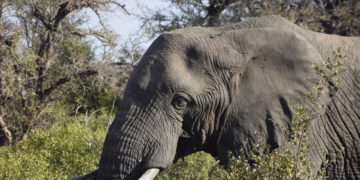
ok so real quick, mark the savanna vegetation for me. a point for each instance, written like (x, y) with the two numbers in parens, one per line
(61, 81)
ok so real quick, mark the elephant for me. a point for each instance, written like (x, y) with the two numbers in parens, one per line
(212, 88)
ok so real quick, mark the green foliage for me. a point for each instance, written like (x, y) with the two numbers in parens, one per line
(70, 148)
(194, 166)
(279, 164)
(46, 58)
(23, 96)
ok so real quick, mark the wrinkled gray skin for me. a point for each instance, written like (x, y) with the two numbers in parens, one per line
(212, 89)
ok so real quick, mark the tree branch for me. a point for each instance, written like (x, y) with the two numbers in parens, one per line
(1, 8)
(6, 131)
(61, 13)
(64, 80)
(122, 6)
(96, 34)
(36, 13)
(65, 9)
(73, 5)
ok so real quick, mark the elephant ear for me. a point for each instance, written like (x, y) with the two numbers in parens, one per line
(272, 70)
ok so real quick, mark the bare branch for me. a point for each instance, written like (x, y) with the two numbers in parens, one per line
(73, 5)
(61, 13)
(76, 112)
(1, 8)
(66, 8)
(97, 35)
(64, 80)
(122, 6)
(112, 108)
(36, 13)
(98, 16)
(6, 131)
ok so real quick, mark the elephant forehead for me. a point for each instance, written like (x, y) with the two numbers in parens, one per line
(145, 73)
(181, 76)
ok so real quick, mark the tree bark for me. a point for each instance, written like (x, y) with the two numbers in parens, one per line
(6, 131)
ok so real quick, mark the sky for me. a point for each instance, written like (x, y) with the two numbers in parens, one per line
(128, 25)
(125, 25)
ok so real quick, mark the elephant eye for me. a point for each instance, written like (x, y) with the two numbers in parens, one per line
(179, 102)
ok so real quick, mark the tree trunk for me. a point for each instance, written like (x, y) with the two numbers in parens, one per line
(6, 135)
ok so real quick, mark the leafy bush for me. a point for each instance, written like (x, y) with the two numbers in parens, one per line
(70, 148)
(194, 166)
(279, 164)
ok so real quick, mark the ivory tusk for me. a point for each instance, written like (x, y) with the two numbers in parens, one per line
(149, 174)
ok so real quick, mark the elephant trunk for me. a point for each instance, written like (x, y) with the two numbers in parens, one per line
(136, 143)
(124, 149)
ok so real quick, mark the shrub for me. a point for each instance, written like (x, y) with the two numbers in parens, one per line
(70, 148)
(194, 166)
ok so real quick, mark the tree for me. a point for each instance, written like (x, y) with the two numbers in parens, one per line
(329, 16)
(44, 48)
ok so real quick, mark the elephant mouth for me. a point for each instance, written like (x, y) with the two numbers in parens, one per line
(149, 174)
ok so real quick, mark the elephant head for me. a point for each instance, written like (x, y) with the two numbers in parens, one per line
(209, 89)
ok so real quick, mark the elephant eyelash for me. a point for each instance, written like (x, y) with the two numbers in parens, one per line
(180, 102)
